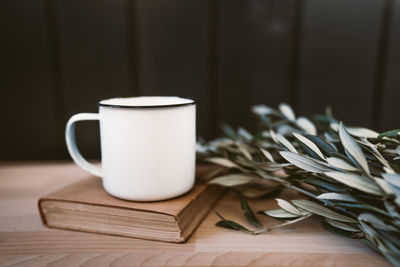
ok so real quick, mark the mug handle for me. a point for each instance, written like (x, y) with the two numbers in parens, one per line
(73, 148)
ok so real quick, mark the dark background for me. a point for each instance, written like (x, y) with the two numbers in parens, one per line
(59, 57)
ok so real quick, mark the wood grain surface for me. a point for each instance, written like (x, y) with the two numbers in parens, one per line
(24, 241)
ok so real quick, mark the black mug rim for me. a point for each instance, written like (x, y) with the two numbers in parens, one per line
(192, 102)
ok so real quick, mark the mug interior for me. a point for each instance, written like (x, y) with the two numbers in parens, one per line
(146, 102)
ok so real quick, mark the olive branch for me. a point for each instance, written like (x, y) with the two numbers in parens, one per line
(351, 175)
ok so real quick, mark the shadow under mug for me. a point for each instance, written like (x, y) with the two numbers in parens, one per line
(148, 146)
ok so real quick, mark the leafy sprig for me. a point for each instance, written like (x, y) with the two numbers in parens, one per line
(349, 174)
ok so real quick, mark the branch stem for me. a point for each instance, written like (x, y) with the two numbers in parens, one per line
(265, 230)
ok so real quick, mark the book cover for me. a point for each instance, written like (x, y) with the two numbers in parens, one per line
(85, 206)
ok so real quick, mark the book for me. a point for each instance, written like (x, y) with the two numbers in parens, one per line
(85, 206)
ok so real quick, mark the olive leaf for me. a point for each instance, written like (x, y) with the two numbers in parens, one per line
(326, 148)
(321, 210)
(267, 154)
(288, 206)
(266, 121)
(340, 163)
(245, 152)
(286, 143)
(231, 225)
(304, 162)
(335, 230)
(375, 221)
(222, 162)
(344, 173)
(273, 136)
(279, 213)
(253, 192)
(274, 166)
(362, 132)
(309, 144)
(337, 196)
(249, 213)
(228, 131)
(287, 111)
(230, 180)
(353, 148)
(392, 179)
(242, 132)
(384, 185)
(324, 185)
(213, 173)
(331, 138)
(391, 133)
(361, 183)
(306, 125)
(263, 110)
(343, 226)
(378, 155)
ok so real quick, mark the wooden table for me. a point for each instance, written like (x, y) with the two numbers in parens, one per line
(24, 241)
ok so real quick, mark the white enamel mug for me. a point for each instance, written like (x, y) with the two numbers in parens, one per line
(148, 146)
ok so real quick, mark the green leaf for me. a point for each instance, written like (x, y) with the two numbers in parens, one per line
(368, 230)
(288, 206)
(309, 144)
(231, 225)
(356, 181)
(352, 160)
(341, 164)
(228, 131)
(337, 196)
(376, 222)
(266, 121)
(267, 154)
(328, 112)
(343, 226)
(363, 207)
(353, 148)
(261, 192)
(285, 143)
(325, 185)
(245, 152)
(249, 213)
(273, 136)
(263, 110)
(304, 162)
(336, 231)
(391, 133)
(309, 152)
(392, 179)
(322, 144)
(230, 180)
(331, 137)
(287, 111)
(306, 125)
(279, 213)
(362, 132)
(274, 166)
(245, 134)
(321, 210)
(222, 162)
(384, 185)
(213, 173)
(372, 149)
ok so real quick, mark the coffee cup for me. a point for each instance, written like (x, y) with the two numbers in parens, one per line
(148, 146)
